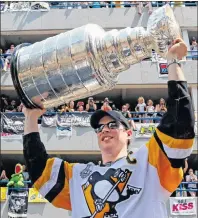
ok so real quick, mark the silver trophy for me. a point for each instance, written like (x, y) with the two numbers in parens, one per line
(87, 60)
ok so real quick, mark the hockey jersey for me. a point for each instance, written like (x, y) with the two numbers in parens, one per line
(134, 186)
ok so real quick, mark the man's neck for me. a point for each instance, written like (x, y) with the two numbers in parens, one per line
(112, 157)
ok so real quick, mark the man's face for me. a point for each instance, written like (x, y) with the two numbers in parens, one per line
(109, 139)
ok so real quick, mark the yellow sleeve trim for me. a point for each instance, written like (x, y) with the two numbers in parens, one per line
(169, 177)
(62, 200)
(174, 143)
(45, 174)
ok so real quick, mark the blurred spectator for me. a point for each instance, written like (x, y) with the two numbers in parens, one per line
(193, 43)
(1, 60)
(70, 107)
(81, 108)
(8, 58)
(3, 177)
(12, 107)
(128, 106)
(185, 168)
(111, 4)
(84, 5)
(150, 110)
(104, 4)
(95, 5)
(147, 4)
(26, 176)
(91, 106)
(141, 108)
(125, 112)
(62, 109)
(79, 103)
(20, 108)
(127, 4)
(194, 48)
(4, 102)
(106, 106)
(160, 108)
(191, 178)
(178, 4)
(70, 5)
(127, 115)
(2, 6)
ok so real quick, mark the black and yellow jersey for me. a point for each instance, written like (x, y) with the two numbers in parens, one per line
(125, 188)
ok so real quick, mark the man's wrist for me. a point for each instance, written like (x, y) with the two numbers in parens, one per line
(173, 61)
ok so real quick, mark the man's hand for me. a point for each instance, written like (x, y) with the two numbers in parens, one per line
(177, 50)
(31, 119)
(34, 113)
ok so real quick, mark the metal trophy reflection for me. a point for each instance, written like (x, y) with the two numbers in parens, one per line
(87, 60)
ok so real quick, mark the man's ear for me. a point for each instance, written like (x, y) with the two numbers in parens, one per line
(129, 133)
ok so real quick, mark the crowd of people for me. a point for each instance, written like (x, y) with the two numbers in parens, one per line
(141, 110)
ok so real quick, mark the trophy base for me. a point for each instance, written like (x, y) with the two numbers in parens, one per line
(14, 74)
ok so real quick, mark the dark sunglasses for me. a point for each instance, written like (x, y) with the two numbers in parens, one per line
(110, 125)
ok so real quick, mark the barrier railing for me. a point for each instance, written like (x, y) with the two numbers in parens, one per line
(181, 189)
(77, 112)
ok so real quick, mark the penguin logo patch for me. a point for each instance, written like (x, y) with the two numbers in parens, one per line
(103, 192)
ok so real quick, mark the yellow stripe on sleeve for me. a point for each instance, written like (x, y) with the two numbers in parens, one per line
(45, 175)
(174, 143)
(169, 177)
(62, 200)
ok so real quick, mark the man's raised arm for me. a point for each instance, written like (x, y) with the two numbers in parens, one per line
(50, 176)
(176, 129)
(172, 141)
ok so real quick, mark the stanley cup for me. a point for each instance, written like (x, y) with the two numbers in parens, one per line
(87, 60)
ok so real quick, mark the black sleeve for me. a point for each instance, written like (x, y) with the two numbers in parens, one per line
(35, 155)
(179, 120)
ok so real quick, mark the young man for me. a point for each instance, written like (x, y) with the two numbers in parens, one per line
(124, 185)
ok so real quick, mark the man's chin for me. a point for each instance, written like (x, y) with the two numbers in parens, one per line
(105, 146)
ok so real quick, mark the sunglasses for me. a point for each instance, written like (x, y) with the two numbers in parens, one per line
(110, 125)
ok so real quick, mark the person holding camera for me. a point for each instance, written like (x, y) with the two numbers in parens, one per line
(91, 106)
(106, 106)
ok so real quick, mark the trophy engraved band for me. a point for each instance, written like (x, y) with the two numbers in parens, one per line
(86, 60)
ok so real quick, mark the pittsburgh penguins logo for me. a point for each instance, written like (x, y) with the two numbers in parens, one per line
(104, 192)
